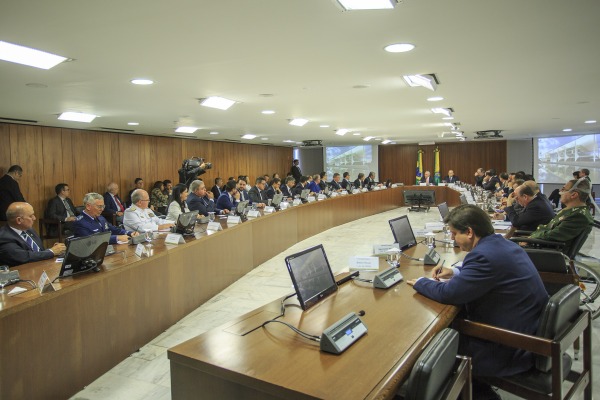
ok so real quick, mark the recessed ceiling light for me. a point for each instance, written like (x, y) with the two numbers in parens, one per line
(350, 5)
(356, 134)
(435, 98)
(133, 123)
(220, 103)
(440, 110)
(268, 112)
(264, 138)
(213, 133)
(591, 121)
(426, 81)
(323, 126)
(77, 117)
(567, 130)
(186, 129)
(377, 140)
(298, 122)
(448, 118)
(341, 132)
(248, 136)
(386, 141)
(368, 138)
(27, 56)
(141, 81)
(289, 141)
(399, 47)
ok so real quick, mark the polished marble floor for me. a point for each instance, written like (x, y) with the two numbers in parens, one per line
(145, 374)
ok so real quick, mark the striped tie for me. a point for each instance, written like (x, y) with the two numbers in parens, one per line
(30, 241)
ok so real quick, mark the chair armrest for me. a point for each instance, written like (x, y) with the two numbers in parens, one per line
(520, 232)
(504, 336)
(539, 242)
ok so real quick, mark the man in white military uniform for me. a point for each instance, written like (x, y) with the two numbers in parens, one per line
(140, 218)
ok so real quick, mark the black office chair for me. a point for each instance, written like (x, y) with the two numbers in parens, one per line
(51, 229)
(561, 323)
(439, 373)
(554, 269)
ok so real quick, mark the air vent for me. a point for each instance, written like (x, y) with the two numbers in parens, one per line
(23, 121)
(116, 129)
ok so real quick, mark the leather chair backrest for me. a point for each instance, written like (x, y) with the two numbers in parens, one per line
(578, 243)
(561, 310)
(546, 260)
(433, 370)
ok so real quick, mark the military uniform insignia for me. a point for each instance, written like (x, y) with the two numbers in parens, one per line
(132, 208)
(151, 215)
(106, 225)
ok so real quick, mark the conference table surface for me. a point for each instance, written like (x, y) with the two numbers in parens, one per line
(274, 362)
(95, 320)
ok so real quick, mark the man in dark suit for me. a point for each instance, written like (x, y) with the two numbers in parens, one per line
(202, 200)
(300, 186)
(241, 188)
(288, 188)
(91, 221)
(216, 189)
(479, 175)
(335, 183)
(257, 194)
(9, 189)
(369, 180)
(228, 199)
(358, 183)
(138, 184)
(491, 181)
(113, 203)
(274, 188)
(295, 170)
(427, 179)
(346, 181)
(495, 290)
(536, 210)
(19, 243)
(451, 178)
(61, 208)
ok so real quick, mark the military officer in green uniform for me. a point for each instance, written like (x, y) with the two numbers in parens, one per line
(571, 220)
(140, 218)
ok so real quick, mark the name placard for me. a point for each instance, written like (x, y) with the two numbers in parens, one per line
(334, 194)
(174, 238)
(233, 220)
(283, 205)
(269, 209)
(311, 199)
(344, 192)
(356, 191)
(214, 226)
(140, 250)
(297, 202)
(321, 197)
(365, 190)
(253, 214)
(364, 263)
(381, 250)
(44, 284)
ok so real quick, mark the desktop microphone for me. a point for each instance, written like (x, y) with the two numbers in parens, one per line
(361, 313)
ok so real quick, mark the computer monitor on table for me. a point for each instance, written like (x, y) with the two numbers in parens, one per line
(311, 276)
(403, 233)
(186, 222)
(84, 254)
(443, 209)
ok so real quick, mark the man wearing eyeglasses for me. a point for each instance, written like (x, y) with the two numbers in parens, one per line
(91, 221)
(139, 217)
(9, 189)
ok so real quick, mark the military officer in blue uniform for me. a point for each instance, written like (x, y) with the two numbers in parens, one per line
(91, 221)
(138, 217)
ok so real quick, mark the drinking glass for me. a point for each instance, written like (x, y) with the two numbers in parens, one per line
(4, 270)
(211, 216)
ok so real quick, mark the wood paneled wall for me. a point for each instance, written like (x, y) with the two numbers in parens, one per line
(89, 160)
(398, 162)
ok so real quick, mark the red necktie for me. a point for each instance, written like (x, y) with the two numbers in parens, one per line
(118, 204)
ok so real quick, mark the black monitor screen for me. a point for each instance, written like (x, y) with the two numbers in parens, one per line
(403, 233)
(311, 275)
(422, 197)
(241, 207)
(186, 222)
(84, 253)
(277, 199)
(463, 199)
(443, 209)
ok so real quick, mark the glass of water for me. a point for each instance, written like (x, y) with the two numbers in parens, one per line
(4, 270)
(211, 216)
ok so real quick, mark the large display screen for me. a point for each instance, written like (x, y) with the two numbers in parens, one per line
(352, 159)
(557, 157)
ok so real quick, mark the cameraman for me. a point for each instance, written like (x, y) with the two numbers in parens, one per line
(191, 169)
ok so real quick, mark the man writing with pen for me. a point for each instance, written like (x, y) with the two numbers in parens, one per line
(497, 284)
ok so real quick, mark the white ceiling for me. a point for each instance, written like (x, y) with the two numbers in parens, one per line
(528, 67)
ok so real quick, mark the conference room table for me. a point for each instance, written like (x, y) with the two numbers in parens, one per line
(53, 344)
(273, 362)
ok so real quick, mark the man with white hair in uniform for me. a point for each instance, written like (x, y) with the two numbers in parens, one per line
(139, 217)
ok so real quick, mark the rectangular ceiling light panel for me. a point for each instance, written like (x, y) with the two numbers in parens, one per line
(26, 56)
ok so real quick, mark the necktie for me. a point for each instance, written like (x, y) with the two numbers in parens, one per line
(119, 205)
(70, 212)
(30, 241)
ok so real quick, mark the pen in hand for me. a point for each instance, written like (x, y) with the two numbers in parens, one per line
(439, 271)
